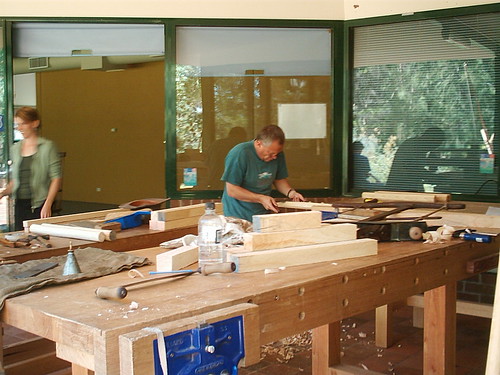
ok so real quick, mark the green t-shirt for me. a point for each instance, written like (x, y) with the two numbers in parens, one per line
(244, 168)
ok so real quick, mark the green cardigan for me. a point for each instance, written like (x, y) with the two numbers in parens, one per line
(45, 167)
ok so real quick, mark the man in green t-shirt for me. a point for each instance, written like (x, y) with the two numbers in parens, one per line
(251, 169)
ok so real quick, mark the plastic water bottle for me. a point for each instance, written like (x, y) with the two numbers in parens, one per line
(210, 228)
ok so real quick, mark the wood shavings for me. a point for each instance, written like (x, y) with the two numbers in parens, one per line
(441, 235)
(271, 270)
(362, 334)
(285, 349)
(133, 273)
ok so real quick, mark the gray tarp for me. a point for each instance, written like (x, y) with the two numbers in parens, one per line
(93, 263)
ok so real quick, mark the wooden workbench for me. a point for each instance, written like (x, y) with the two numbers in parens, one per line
(86, 329)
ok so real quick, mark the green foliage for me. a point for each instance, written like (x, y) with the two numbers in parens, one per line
(392, 103)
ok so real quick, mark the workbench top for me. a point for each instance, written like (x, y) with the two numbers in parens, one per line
(290, 301)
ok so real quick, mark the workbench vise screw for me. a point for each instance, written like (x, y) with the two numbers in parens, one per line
(210, 349)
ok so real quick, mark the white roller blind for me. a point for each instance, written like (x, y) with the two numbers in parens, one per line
(61, 39)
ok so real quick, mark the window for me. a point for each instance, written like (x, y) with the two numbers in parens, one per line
(232, 81)
(424, 105)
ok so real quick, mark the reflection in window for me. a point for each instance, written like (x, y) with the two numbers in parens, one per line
(231, 83)
(424, 105)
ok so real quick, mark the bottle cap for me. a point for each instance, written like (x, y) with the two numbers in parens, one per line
(210, 206)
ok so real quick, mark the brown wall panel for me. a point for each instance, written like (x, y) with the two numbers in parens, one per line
(111, 126)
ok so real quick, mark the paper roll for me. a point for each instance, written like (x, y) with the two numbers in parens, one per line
(110, 234)
(95, 235)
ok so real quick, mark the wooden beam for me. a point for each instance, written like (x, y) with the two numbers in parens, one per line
(73, 217)
(286, 221)
(179, 217)
(275, 240)
(482, 310)
(482, 264)
(177, 259)
(383, 326)
(440, 330)
(299, 255)
(326, 349)
(404, 196)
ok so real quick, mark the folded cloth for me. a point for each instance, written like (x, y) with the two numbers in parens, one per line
(93, 263)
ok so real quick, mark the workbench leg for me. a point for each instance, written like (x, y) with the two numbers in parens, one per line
(383, 326)
(418, 317)
(2, 370)
(79, 370)
(440, 330)
(325, 348)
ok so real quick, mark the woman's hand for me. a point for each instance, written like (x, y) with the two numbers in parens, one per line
(46, 211)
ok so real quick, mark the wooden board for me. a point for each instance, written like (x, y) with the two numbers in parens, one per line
(286, 221)
(136, 348)
(173, 224)
(458, 219)
(177, 259)
(73, 217)
(311, 236)
(482, 310)
(179, 217)
(293, 256)
(176, 213)
(408, 196)
(305, 205)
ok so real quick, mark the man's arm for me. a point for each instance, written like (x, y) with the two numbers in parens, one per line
(283, 186)
(242, 194)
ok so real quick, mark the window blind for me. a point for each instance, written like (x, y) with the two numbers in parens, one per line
(425, 100)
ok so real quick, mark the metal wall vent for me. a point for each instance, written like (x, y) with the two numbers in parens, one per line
(38, 62)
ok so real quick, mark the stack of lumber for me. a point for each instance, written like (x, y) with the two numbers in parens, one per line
(297, 238)
(179, 217)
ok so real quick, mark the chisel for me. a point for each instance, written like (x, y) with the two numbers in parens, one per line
(120, 292)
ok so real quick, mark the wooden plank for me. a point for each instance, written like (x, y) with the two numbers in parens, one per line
(293, 256)
(77, 357)
(136, 348)
(325, 348)
(440, 330)
(176, 213)
(177, 259)
(73, 217)
(286, 221)
(458, 219)
(493, 360)
(482, 310)
(179, 217)
(306, 206)
(404, 196)
(482, 264)
(173, 224)
(311, 236)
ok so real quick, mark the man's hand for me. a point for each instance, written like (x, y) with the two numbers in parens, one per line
(269, 203)
(296, 196)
